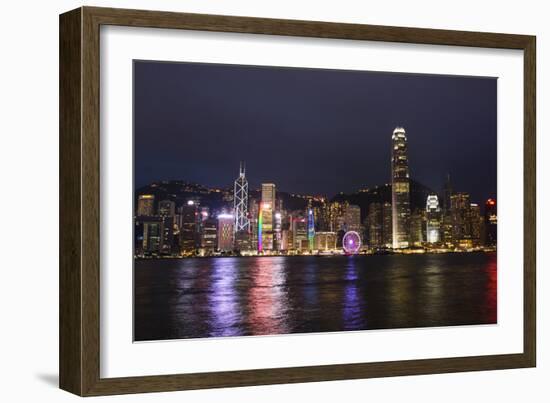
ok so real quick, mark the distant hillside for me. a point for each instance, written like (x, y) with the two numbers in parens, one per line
(381, 194)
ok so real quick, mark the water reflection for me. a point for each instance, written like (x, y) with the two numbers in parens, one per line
(353, 309)
(216, 297)
(267, 296)
(223, 301)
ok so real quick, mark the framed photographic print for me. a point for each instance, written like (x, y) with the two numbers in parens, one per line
(250, 201)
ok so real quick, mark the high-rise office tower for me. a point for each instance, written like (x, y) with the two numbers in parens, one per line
(417, 227)
(277, 230)
(253, 213)
(375, 222)
(352, 218)
(460, 218)
(240, 201)
(265, 220)
(188, 217)
(299, 233)
(387, 219)
(226, 233)
(336, 216)
(310, 229)
(167, 208)
(476, 224)
(152, 235)
(433, 220)
(208, 236)
(400, 189)
(490, 221)
(268, 194)
(146, 205)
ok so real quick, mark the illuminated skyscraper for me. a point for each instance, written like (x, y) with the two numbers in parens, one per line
(208, 236)
(352, 218)
(310, 229)
(417, 227)
(167, 208)
(240, 201)
(146, 205)
(387, 218)
(268, 194)
(460, 217)
(265, 220)
(375, 222)
(476, 224)
(277, 230)
(226, 232)
(299, 233)
(152, 236)
(400, 189)
(187, 223)
(433, 219)
(490, 222)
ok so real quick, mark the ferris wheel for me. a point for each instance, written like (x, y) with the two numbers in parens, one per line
(351, 242)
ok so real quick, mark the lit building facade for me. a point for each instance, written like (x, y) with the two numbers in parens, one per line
(265, 217)
(476, 224)
(146, 205)
(433, 220)
(400, 189)
(226, 232)
(310, 229)
(277, 230)
(152, 236)
(299, 233)
(417, 228)
(352, 218)
(325, 241)
(375, 225)
(387, 225)
(460, 214)
(187, 220)
(208, 236)
(167, 208)
(490, 221)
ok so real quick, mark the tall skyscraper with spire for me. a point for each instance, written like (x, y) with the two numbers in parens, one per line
(401, 210)
(240, 200)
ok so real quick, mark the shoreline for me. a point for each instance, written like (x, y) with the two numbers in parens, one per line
(316, 255)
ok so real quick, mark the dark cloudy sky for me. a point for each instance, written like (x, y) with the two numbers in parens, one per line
(311, 131)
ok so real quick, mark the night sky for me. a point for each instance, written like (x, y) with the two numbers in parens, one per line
(311, 131)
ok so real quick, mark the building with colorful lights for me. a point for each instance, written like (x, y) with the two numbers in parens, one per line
(266, 216)
(310, 229)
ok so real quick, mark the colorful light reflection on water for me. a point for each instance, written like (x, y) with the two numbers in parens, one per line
(218, 297)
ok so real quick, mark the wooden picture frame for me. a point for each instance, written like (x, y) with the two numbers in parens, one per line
(79, 346)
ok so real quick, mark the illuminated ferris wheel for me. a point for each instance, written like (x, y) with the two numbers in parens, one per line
(351, 242)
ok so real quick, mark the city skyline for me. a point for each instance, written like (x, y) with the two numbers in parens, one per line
(264, 225)
(337, 144)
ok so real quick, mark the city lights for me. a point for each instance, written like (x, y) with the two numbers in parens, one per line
(245, 223)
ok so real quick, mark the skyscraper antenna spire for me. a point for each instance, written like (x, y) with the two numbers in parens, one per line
(242, 168)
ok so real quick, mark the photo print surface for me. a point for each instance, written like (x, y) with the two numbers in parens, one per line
(273, 200)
